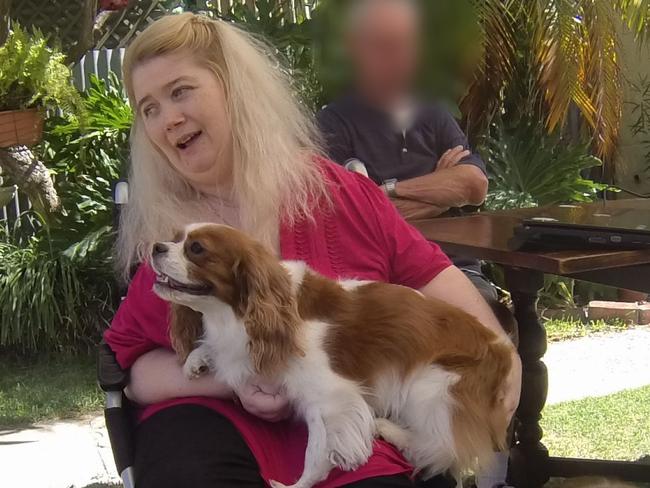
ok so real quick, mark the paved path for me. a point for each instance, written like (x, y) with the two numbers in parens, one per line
(598, 365)
(77, 454)
(59, 455)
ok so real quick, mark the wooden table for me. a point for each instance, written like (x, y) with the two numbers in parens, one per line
(485, 236)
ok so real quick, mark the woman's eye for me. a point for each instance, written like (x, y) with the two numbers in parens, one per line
(147, 111)
(181, 90)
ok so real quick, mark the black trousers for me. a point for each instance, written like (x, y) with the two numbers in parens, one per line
(193, 446)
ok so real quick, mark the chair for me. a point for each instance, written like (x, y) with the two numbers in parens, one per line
(113, 379)
(117, 412)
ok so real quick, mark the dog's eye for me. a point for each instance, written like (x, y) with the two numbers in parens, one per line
(196, 248)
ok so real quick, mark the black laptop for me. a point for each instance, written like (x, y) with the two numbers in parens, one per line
(583, 227)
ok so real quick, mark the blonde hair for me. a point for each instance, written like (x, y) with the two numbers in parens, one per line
(275, 141)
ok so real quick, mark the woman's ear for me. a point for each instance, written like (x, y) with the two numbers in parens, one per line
(185, 328)
(269, 311)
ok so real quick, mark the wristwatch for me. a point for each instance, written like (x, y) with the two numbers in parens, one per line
(390, 185)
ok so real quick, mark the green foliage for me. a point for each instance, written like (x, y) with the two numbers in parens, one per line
(640, 127)
(549, 58)
(33, 74)
(291, 39)
(529, 167)
(557, 292)
(569, 328)
(50, 301)
(57, 290)
(84, 161)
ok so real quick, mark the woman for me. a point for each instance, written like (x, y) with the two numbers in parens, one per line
(218, 137)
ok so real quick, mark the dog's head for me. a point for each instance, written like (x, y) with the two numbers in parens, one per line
(209, 266)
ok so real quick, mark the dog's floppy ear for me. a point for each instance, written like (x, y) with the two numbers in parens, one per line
(185, 328)
(269, 311)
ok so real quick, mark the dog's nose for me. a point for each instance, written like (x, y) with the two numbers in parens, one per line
(159, 248)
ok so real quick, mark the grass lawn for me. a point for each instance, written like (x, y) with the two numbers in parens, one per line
(569, 328)
(612, 427)
(44, 390)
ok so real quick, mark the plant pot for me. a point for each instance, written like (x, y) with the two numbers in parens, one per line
(21, 127)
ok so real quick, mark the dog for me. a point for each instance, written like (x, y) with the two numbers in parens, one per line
(357, 359)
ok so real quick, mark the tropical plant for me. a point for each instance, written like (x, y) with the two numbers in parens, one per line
(289, 32)
(540, 58)
(50, 300)
(528, 167)
(57, 288)
(640, 126)
(557, 292)
(32, 74)
(85, 160)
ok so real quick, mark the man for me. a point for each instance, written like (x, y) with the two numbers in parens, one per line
(415, 151)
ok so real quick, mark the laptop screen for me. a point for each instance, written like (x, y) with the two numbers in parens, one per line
(600, 217)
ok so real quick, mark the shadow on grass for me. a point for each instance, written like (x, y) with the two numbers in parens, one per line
(45, 390)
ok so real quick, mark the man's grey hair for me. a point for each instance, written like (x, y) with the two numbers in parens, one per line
(358, 10)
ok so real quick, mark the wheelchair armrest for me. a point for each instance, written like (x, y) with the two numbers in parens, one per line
(110, 376)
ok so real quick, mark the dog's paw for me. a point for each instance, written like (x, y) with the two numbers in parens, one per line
(350, 443)
(344, 463)
(195, 365)
(393, 433)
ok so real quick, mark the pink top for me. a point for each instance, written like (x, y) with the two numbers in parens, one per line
(363, 237)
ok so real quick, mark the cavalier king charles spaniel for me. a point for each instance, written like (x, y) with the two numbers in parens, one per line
(357, 359)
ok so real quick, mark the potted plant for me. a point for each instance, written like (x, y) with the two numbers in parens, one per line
(33, 77)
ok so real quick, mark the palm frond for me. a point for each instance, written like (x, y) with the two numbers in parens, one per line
(603, 74)
(497, 21)
(636, 15)
(558, 54)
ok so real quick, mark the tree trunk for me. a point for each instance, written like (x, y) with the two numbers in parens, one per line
(5, 5)
(85, 40)
(31, 176)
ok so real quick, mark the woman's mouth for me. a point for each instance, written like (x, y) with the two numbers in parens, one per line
(188, 139)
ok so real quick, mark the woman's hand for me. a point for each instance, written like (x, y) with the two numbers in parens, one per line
(264, 400)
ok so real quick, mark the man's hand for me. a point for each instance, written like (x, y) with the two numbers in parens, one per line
(264, 400)
(452, 157)
(413, 210)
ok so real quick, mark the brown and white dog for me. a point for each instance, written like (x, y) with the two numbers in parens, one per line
(356, 358)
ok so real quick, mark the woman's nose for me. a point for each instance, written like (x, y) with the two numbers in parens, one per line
(173, 118)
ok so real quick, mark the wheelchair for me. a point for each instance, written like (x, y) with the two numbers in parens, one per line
(119, 412)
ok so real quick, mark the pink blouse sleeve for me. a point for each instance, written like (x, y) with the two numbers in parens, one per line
(414, 261)
(141, 321)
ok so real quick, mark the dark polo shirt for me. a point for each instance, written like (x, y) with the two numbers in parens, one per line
(353, 129)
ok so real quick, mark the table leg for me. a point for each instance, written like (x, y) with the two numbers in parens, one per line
(529, 465)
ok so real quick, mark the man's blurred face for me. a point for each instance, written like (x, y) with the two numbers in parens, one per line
(384, 49)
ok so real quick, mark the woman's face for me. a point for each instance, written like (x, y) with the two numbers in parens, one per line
(183, 109)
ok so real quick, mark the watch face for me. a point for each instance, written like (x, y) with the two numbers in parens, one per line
(390, 187)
